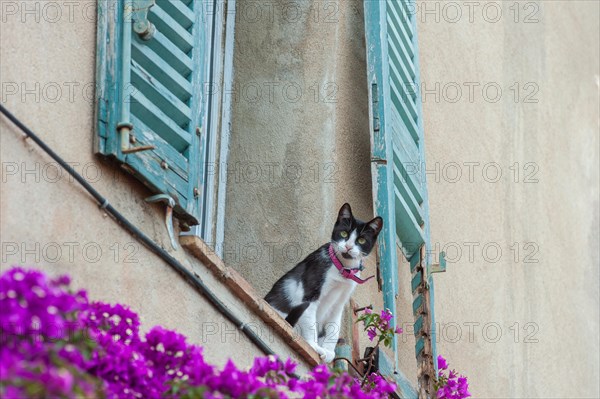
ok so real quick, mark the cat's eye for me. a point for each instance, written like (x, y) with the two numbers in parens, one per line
(344, 234)
(361, 241)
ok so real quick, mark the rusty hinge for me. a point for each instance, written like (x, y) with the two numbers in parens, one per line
(125, 129)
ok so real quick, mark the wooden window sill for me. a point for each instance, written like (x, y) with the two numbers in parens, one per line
(244, 291)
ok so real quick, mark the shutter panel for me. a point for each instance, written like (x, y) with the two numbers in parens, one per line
(404, 125)
(150, 73)
(398, 156)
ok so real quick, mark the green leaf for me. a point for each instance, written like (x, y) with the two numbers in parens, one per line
(387, 341)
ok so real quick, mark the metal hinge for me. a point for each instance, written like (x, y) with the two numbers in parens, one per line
(439, 267)
(125, 129)
(141, 25)
(380, 161)
(375, 107)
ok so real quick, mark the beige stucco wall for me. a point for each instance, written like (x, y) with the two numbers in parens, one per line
(554, 221)
(557, 216)
(50, 222)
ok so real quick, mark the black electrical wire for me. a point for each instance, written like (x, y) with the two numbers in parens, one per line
(195, 281)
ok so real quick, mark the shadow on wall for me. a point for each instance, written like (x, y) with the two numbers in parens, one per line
(299, 145)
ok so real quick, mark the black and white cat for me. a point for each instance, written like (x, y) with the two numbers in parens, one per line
(312, 295)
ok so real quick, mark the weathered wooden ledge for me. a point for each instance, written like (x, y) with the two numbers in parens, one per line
(245, 292)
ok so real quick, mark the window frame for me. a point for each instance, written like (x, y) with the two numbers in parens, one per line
(218, 117)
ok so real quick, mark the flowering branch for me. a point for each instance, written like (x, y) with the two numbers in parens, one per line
(377, 325)
(56, 344)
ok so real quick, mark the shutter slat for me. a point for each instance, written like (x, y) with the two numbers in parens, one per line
(404, 112)
(159, 122)
(417, 304)
(403, 22)
(179, 11)
(403, 81)
(165, 49)
(416, 281)
(418, 326)
(160, 95)
(176, 161)
(402, 42)
(409, 233)
(407, 94)
(402, 186)
(162, 71)
(397, 60)
(406, 11)
(409, 170)
(402, 15)
(171, 29)
(407, 157)
(419, 347)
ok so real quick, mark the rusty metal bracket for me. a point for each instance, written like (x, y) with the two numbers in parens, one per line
(130, 150)
(170, 202)
(141, 25)
(125, 129)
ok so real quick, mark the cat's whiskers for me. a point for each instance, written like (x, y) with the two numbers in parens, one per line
(354, 261)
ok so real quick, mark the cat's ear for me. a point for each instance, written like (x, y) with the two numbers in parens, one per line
(345, 212)
(376, 224)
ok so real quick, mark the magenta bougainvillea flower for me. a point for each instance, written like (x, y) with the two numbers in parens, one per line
(450, 385)
(55, 343)
(371, 333)
(377, 325)
(386, 315)
(442, 364)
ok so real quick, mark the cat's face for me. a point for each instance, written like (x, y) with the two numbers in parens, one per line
(352, 238)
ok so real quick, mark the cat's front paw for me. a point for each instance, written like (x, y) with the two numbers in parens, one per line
(327, 355)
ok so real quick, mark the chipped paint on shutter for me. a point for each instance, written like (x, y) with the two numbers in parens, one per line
(381, 152)
(161, 96)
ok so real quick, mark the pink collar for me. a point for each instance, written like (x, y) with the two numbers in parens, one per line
(347, 273)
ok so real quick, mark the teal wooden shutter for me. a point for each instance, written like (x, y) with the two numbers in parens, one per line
(398, 154)
(150, 69)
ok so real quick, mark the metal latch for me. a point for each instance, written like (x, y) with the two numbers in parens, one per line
(168, 214)
(141, 25)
